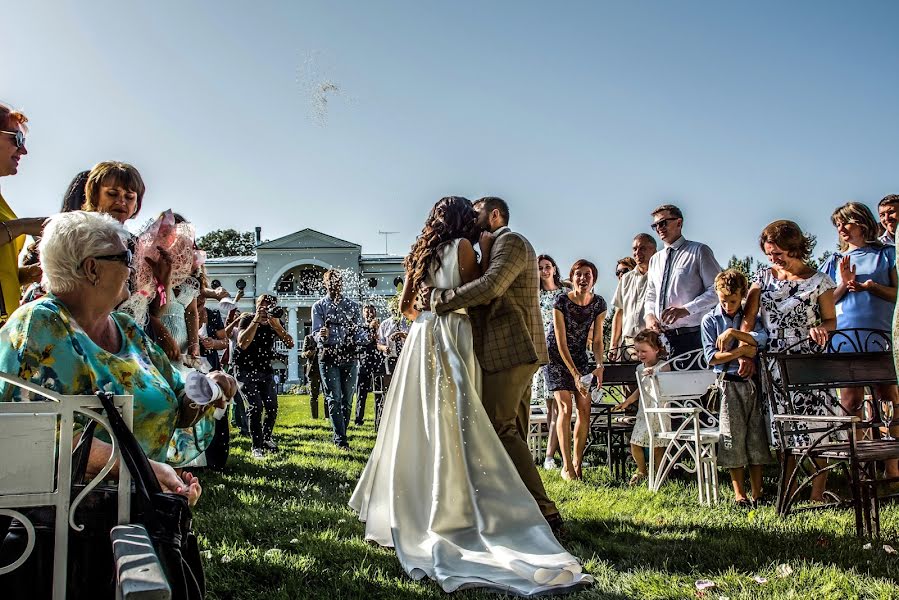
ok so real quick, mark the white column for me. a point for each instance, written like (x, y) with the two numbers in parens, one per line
(293, 355)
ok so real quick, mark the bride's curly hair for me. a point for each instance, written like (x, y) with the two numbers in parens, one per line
(451, 218)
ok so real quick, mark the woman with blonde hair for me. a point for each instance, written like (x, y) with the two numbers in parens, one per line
(865, 273)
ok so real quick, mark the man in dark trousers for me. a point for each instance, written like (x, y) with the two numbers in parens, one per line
(313, 376)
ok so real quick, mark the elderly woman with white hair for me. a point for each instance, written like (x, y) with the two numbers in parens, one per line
(72, 342)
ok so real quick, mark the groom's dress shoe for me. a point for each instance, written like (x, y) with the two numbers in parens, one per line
(557, 525)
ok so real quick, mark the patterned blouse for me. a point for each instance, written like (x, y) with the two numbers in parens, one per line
(547, 301)
(43, 344)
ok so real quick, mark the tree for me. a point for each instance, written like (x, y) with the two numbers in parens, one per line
(746, 265)
(228, 242)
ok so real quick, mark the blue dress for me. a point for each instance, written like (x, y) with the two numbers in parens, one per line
(863, 309)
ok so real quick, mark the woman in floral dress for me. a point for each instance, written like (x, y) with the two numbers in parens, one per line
(796, 305)
(551, 286)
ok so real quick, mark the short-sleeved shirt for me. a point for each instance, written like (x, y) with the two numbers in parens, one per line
(42, 343)
(257, 357)
(578, 320)
(716, 322)
(863, 309)
(630, 299)
(213, 323)
(789, 308)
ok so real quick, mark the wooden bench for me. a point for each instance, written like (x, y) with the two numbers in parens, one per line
(851, 358)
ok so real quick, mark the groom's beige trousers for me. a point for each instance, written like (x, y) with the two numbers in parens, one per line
(507, 399)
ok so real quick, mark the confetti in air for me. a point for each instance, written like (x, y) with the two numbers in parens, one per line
(318, 88)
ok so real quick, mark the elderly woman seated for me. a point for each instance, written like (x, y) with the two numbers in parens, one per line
(72, 342)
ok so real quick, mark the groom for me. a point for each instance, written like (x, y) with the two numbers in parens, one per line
(508, 339)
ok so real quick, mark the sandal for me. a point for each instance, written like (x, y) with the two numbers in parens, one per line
(743, 503)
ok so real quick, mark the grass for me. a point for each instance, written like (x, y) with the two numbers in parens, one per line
(281, 528)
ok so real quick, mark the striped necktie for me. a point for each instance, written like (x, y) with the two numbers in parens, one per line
(666, 279)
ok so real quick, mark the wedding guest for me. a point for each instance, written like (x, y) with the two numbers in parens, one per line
(13, 229)
(391, 336)
(888, 210)
(256, 338)
(629, 300)
(574, 314)
(336, 325)
(649, 350)
(865, 273)
(744, 436)
(551, 287)
(72, 342)
(213, 339)
(371, 362)
(679, 287)
(75, 198)
(796, 306)
(239, 405)
(624, 265)
(313, 375)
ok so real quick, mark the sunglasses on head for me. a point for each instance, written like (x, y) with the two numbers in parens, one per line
(122, 257)
(20, 137)
(663, 223)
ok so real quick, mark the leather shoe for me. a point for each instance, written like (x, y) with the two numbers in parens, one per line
(557, 525)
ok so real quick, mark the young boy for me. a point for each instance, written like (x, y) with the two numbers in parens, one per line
(744, 437)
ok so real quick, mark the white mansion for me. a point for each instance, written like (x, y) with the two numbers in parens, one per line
(291, 267)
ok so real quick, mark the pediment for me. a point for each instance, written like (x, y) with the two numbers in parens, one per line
(306, 239)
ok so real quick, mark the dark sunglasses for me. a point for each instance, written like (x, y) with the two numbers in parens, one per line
(621, 272)
(122, 257)
(663, 223)
(20, 137)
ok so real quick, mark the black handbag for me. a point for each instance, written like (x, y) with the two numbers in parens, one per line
(91, 568)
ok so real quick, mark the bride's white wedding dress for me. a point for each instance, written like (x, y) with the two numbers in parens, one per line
(439, 486)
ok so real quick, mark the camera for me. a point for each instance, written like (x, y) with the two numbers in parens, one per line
(277, 312)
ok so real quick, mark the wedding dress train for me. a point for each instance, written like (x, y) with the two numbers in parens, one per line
(439, 486)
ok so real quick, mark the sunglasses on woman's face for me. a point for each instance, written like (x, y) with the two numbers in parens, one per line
(621, 272)
(122, 257)
(20, 137)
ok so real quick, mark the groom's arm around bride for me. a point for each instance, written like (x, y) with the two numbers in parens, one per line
(508, 338)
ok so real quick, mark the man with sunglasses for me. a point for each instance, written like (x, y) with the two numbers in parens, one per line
(12, 229)
(630, 299)
(680, 282)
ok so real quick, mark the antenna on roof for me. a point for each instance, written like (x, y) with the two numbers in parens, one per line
(386, 235)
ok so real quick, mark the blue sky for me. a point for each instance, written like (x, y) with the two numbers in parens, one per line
(583, 115)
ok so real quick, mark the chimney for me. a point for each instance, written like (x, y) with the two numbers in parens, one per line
(258, 235)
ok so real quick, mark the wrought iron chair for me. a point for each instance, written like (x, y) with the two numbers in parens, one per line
(675, 389)
(816, 444)
(610, 431)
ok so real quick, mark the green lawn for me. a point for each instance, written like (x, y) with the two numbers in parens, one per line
(281, 528)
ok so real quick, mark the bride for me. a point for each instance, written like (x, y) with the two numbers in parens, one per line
(439, 486)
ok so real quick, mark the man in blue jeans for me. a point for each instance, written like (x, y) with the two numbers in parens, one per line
(338, 329)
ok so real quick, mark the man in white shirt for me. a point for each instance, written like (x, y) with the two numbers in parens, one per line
(680, 285)
(888, 210)
(630, 298)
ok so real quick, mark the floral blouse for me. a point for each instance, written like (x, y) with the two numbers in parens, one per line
(43, 344)
(547, 301)
(789, 309)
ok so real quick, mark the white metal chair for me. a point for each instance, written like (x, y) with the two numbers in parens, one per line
(36, 469)
(675, 389)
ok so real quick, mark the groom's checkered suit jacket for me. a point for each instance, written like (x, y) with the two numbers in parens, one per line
(504, 306)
